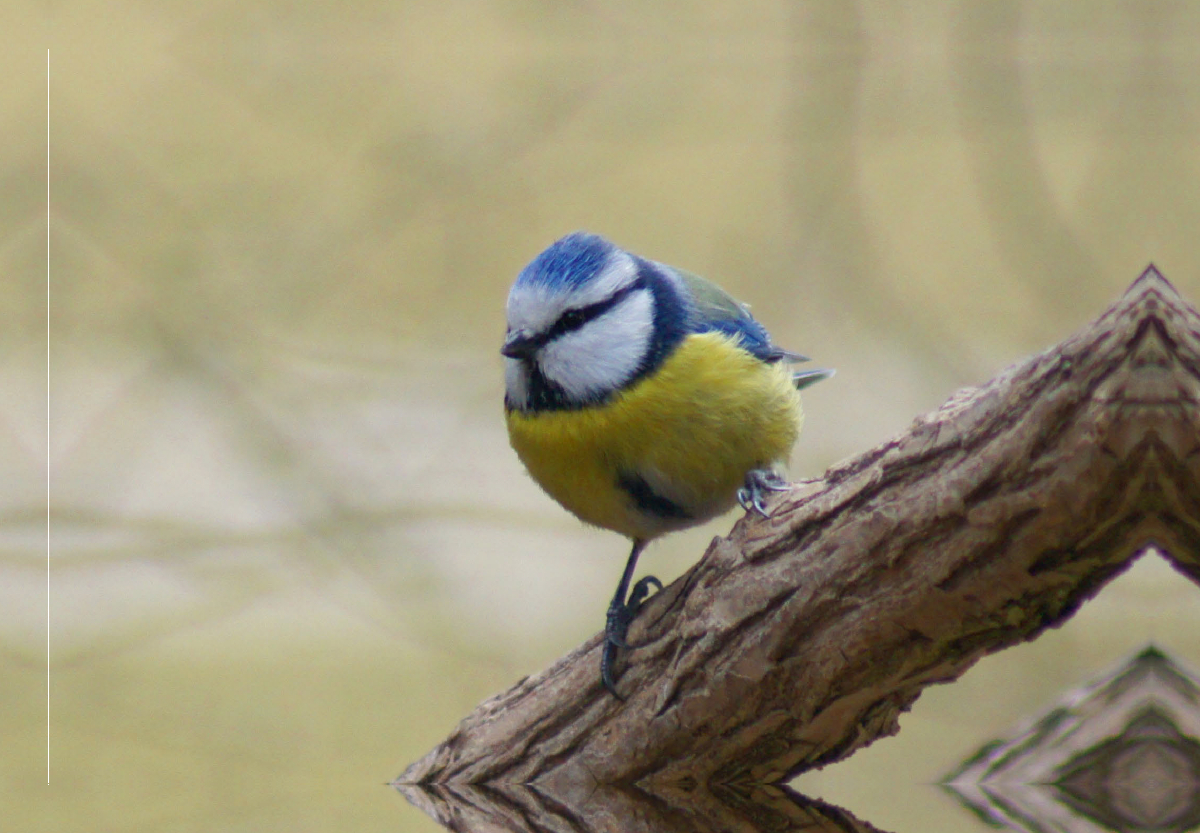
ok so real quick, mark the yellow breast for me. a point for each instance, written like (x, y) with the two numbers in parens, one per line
(690, 431)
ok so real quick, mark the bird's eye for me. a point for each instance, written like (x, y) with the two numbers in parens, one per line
(571, 319)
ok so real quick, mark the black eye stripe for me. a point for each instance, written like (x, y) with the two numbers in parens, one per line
(573, 319)
(672, 316)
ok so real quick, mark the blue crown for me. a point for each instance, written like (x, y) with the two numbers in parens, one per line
(568, 263)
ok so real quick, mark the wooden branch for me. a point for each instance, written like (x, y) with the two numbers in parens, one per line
(469, 808)
(801, 638)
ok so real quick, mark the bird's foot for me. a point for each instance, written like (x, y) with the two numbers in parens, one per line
(616, 625)
(758, 483)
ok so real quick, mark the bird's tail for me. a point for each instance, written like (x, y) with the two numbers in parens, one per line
(803, 378)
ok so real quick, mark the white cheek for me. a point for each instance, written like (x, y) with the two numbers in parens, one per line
(516, 382)
(605, 353)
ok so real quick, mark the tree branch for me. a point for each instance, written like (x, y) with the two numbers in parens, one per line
(801, 638)
(466, 808)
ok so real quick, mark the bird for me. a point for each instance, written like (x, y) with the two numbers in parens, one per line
(644, 399)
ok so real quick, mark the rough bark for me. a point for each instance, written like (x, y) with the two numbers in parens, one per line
(471, 808)
(801, 638)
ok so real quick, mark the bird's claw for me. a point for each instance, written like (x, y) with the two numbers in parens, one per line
(639, 593)
(758, 483)
(616, 625)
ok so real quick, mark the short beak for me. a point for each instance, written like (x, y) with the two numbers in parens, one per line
(519, 344)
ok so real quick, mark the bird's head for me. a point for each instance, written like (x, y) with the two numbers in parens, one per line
(585, 318)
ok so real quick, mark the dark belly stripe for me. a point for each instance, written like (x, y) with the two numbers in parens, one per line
(647, 500)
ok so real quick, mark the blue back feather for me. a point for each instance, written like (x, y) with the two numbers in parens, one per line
(715, 310)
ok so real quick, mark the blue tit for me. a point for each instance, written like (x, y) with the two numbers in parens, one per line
(643, 398)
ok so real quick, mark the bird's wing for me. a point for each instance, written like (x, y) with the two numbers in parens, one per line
(717, 310)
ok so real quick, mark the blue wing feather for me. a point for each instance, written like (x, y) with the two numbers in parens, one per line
(718, 311)
(747, 331)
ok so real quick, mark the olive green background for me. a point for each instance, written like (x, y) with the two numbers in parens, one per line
(290, 546)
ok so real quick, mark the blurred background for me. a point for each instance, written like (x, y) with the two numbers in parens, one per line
(290, 546)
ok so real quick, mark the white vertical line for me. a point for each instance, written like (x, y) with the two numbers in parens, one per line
(47, 417)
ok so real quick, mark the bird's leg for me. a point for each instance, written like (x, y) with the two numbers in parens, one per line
(621, 613)
(758, 483)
